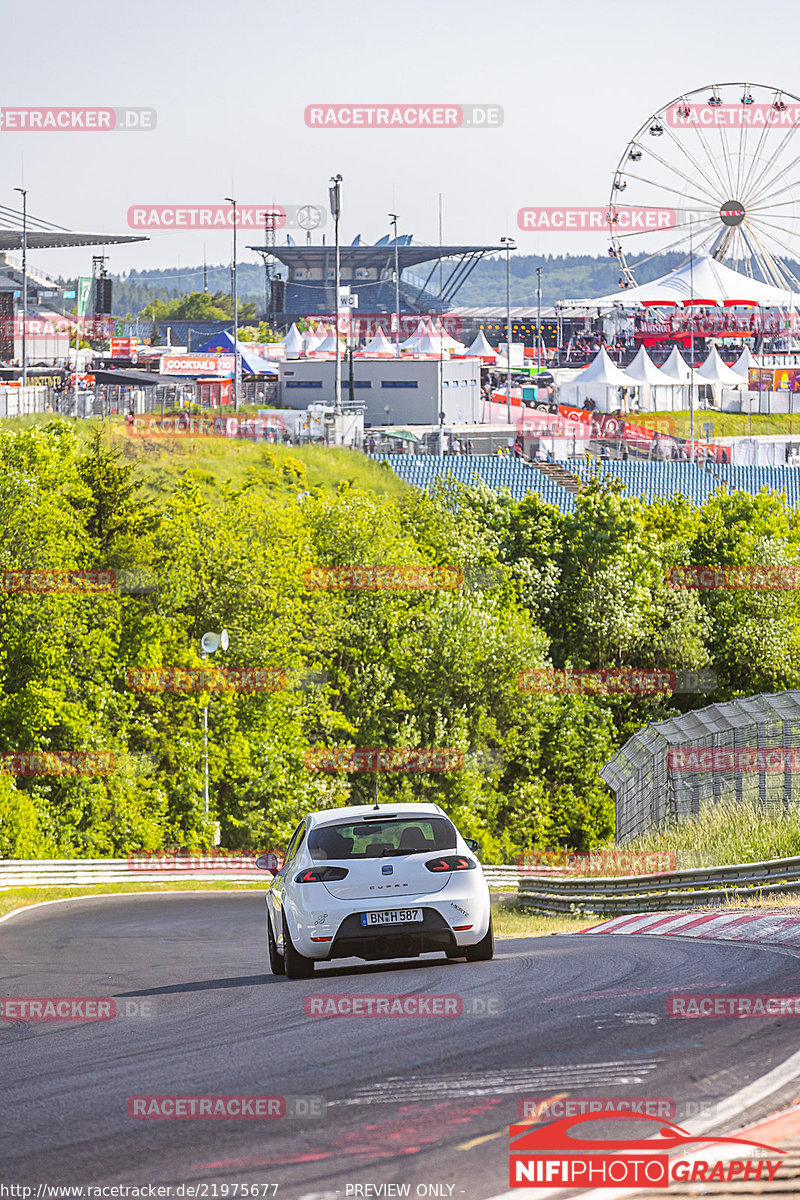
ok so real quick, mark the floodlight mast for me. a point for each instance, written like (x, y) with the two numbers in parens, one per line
(209, 644)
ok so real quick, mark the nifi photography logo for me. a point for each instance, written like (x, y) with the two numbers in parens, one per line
(552, 1155)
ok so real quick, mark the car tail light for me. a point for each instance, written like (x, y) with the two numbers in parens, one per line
(451, 862)
(320, 874)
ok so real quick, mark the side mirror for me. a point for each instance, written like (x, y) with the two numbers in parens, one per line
(268, 862)
(472, 845)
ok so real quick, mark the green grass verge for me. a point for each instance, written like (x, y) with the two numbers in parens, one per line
(725, 424)
(723, 834)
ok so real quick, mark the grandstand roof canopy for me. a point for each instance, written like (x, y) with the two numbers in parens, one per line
(319, 257)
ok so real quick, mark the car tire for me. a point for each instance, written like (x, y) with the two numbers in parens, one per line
(276, 962)
(459, 952)
(484, 949)
(297, 966)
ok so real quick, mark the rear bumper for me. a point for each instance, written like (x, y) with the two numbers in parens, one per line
(442, 912)
(353, 940)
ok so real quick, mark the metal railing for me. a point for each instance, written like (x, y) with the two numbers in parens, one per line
(669, 890)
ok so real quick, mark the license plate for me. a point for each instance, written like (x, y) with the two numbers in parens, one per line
(395, 916)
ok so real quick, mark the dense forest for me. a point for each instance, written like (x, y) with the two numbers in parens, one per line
(433, 667)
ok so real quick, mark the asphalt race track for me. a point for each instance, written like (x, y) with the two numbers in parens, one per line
(414, 1100)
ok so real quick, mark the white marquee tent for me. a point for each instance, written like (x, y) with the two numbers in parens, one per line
(700, 281)
(600, 381)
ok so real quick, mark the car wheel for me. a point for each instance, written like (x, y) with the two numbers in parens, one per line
(484, 949)
(275, 960)
(296, 964)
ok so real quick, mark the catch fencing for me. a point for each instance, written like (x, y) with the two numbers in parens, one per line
(736, 752)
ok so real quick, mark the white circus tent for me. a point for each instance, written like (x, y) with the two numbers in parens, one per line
(700, 280)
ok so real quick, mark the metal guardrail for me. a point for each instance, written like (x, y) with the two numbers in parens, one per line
(666, 891)
(78, 872)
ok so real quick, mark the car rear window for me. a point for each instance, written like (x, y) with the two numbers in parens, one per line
(382, 839)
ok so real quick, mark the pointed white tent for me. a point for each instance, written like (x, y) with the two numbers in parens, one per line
(328, 346)
(648, 377)
(293, 342)
(676, 368)
(714, 370)
(744, 363)
(480, 348)
(411, 342)
(600, 381)
(379, 346)
(439, 332)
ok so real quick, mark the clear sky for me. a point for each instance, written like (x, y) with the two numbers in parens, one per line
(230, 83)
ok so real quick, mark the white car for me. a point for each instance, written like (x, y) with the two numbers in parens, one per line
(389, 881)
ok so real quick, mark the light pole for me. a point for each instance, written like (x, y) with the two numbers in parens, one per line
(510, 245)
(691, 351)
(396, 288)
(236, 362)
(24, 193)
(335, 199)
(209, 644)
(539, 317)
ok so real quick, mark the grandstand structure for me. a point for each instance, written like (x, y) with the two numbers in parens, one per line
(736, 751)
(645, 480)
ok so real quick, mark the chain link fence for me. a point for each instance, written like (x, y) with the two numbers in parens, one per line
(740, 751)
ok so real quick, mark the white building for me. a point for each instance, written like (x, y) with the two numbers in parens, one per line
(393, 391)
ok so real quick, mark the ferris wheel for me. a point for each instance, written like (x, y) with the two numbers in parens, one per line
(716, 170)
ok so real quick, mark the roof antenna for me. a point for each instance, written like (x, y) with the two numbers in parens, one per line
(377, 807)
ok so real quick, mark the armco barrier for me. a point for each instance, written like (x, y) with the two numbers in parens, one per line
(669, 890)
(78, 872)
